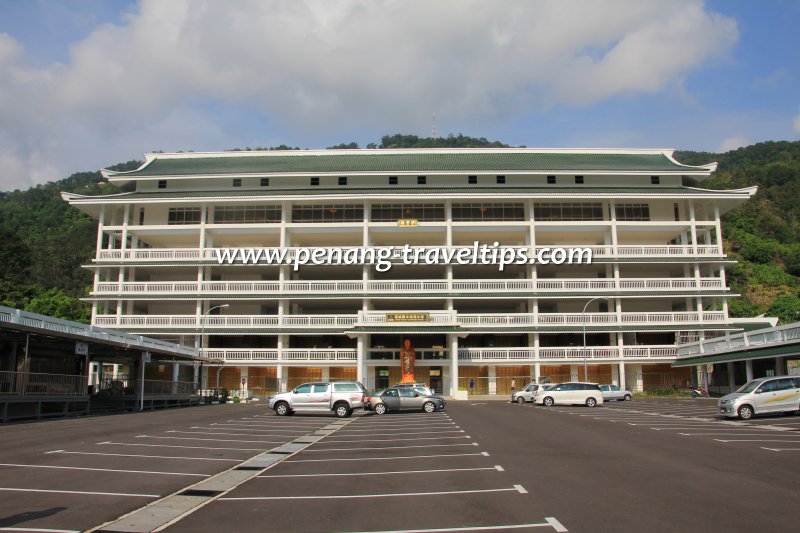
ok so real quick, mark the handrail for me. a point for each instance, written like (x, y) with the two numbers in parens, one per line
(362, 287)
(210, 254)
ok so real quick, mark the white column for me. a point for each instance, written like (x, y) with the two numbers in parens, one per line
(453, 365)
(614, 375)
(621, 372)
(326, 374)
(492, 379)
(693, 227)
(573, 373)
(361, 362)
(280, 375)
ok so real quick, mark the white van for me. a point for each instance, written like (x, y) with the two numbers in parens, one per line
(571, 393)
(775, 394)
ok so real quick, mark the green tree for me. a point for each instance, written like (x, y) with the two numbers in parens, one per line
(54, 302)
(786, 308)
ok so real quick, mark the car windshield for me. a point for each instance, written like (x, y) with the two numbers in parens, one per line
(750, 386)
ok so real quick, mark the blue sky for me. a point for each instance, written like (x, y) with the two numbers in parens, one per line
(89, 83)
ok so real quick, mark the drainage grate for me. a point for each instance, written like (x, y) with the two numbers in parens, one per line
(249, 468)
(200, 492)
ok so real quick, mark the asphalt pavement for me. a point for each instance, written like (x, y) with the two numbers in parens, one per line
(645, 465)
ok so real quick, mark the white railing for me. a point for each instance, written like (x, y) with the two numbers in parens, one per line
(289, 355)
(565, 353)
(577, 319)
(789, 333)
(519, 354)
(226, 321)
(382, 318)
(210, 254)
(368, 287)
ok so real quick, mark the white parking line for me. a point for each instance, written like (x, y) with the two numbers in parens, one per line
(81, 492)
(177, 446)
(226, 427)
(38, 530)
(255, 427)
(515, 488)
(149, 456)
(234, 434)
(781, 449)
(104, 470)
(756, 440)
(414, 432)
(400, 429)
(212, 440)
(392, 447)
(381, 458)
(496, 468)
(734, 433)
(550, 522)
(396, 440)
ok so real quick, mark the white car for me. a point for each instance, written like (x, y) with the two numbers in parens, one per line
(570, 393)
(613, 392)
(776, 394)
(526, 394)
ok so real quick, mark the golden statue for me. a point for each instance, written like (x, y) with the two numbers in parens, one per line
(408, 360)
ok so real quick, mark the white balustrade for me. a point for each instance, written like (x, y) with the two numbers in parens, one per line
(145, 255)
(479, 286)
(293, 355)
(382, 318)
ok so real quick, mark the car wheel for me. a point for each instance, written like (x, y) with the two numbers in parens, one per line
(380, 409)
(627, 398)
(548, 402)
(745, 412)
(520, 400)
(282, 409)
(342, 410)
(591, 402)
(428, 407)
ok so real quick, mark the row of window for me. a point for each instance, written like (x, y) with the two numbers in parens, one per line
(421, 180)
(462, 212)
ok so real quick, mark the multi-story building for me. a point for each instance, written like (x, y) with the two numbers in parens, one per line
(657, 273)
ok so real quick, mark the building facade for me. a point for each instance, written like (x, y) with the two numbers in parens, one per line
(657, 274)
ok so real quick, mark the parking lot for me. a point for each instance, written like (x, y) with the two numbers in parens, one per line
(698, 418)
(646, 465)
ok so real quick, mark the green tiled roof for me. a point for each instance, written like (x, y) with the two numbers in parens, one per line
(389, 161)
(555, 192)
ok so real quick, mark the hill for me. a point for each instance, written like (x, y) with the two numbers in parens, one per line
(43, 241)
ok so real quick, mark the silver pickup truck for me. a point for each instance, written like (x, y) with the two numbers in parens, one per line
(339, 397)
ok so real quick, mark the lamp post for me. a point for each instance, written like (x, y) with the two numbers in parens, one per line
(583, 320)
(202, 336)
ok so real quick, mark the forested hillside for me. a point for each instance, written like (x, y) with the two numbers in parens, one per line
(43, 241)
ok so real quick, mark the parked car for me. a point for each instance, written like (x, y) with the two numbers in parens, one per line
(613, 392)
(404, 399)
(419, 387)
(777, 394)
(570, 393)
(526, 394)
(339, 397)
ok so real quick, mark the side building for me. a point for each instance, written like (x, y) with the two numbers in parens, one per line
(657, 275)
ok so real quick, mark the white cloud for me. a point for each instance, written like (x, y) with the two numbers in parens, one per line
(313, 67)
(732, 143)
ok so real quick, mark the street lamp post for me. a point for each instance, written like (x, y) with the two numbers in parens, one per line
(202, 336)
(583, 321)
